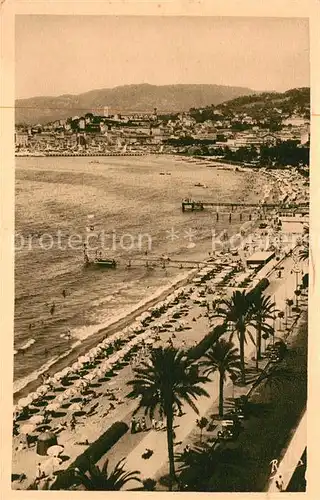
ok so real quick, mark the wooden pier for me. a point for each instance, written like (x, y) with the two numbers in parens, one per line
(193, 205)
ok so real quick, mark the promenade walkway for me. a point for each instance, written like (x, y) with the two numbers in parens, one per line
(280, 289)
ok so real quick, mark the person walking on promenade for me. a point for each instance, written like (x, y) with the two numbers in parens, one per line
(279, 483)
(161, 425)
(143, 424)
(39, 473)
(133, 425)
(73, 423)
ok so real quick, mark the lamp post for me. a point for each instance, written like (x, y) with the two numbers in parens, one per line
(296, 269)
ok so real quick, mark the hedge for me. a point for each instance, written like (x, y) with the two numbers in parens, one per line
(91, 455)
(201, 348)
(258, 289)
(305, 280)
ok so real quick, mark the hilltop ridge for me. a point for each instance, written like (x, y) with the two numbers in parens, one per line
(126, 98)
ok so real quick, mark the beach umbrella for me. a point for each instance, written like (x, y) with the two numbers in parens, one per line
(70, 392)
(33, 396)
(144, 316)
(55, 379)
(51, 465)
(43, 389)
(55, 450)
(53, 407)
(76, 366)
(65, 371)
(106, 366)
(83, 359)
(36, 419)
(59, 399)
(80, 382)
(27, 429)
(17, 409)
(24, 402)
(75, 407)
(90, 376)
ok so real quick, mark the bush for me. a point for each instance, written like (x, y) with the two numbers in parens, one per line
(91, 455)
(305, 280)
(258, 289)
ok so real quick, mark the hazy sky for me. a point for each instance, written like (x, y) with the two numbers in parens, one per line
(73, 54)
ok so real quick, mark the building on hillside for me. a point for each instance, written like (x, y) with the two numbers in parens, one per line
(82, 123)
(269, 140)
(304, 137)
(247, 140)
(21, 139)
(295, 121)
(208, 136)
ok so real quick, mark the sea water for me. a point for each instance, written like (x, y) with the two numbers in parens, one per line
(131, 201)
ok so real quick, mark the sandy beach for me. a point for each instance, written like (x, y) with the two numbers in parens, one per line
(93, 389)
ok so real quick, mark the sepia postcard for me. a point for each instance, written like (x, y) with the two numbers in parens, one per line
(160, 247)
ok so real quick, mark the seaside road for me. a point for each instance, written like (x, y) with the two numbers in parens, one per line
(157, 440)
(284, 287)
(291, 458)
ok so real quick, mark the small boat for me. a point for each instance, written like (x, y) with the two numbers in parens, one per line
(98, 261)
(105, 262)
(200, 185)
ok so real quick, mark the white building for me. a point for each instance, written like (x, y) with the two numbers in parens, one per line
(295, 121)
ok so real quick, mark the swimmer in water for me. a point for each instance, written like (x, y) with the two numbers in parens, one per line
(52, 308)
(64, 293)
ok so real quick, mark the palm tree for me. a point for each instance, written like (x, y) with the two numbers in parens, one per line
(202, 463)
(280, 316)
(224, 358)
(273, 377)
(149, 484)
(289, 303)
(100, 480)
(202, 424)
(297, 294)
(237, 310)
(304, 251)
(164, 382)
(262, 311)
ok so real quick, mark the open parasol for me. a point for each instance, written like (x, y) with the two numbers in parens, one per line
(36, 419)
(55, 450)
(75, 407)
(53, 407)
(24, 402)
(27, 429)
(51, 465)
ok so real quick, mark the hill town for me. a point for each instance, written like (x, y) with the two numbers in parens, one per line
(264, 129)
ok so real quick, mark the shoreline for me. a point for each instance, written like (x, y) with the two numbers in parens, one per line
(93, 154)
(103, 332)
(23, 386)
